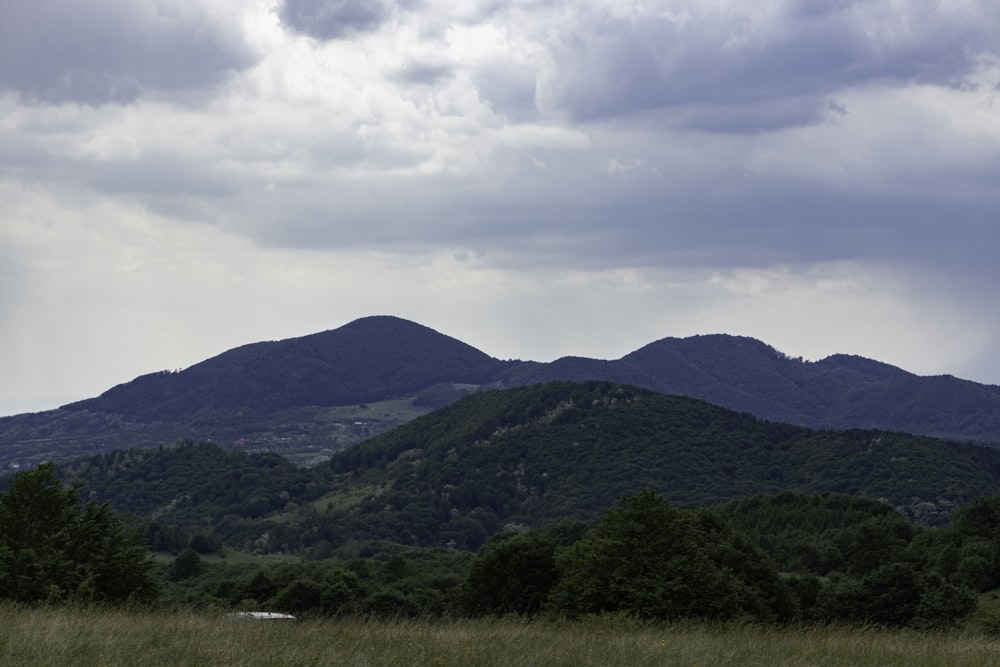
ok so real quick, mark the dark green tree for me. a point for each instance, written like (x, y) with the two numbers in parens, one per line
(894, 596)
(511, 575)
(980, 519)
(53, 549)
(260, 588)
(187, 564)
(298, 596)
(943, 605)
(978, 528)
(874, 543)
(343, 593)
(975, 572)
(891, 595)
(651, 561)
(205, 543)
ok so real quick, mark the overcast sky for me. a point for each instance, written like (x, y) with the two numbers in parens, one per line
(537, 179)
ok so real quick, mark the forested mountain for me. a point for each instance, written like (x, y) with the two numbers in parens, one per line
(370, 359)
(566, 450)
(840, 391)
(311, 396)
(517, 458)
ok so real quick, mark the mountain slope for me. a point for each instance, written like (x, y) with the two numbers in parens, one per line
(526, 456)
(840, 391)
(370, 359)
(746, 374)
(585, 444)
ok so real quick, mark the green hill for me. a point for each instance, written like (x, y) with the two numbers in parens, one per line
(527, 456)
(563, 450)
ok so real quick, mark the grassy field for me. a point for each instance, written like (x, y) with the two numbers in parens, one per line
(62, 636)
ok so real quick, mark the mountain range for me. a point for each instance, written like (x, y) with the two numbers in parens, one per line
(311, 396)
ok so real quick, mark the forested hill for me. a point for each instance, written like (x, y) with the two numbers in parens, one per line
(311, 396)
(370, 359)
(528, 456)
(565, 450)
(840, 391)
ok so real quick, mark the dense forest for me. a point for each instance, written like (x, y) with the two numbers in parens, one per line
(561, 500)
(642, 558)
(524, 457)
(647, 559)
(568, 450)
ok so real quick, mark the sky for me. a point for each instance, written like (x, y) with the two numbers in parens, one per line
(537, 179)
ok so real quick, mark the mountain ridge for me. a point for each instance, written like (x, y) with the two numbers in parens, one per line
(309, 396)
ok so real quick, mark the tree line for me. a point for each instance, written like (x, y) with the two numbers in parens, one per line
(853, 560)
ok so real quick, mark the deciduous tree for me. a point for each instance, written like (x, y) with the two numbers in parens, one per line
(649, 560)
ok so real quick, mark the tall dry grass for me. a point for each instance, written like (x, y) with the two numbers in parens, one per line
(78, 637)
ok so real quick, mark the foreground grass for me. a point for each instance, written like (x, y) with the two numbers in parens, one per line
(61, 636)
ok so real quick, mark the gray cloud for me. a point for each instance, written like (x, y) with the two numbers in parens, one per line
(541, 152)
(423, 74)
(333, 19)
(590, 219)
(606, 67)
(529, 136)
(105, 51)
(508, 88)
(162, 175)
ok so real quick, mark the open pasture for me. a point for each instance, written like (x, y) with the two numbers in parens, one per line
(81, 637)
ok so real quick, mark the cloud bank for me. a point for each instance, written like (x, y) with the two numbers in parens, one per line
(537, 178)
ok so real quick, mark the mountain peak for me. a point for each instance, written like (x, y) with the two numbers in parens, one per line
(864, 366)
(369, 359)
